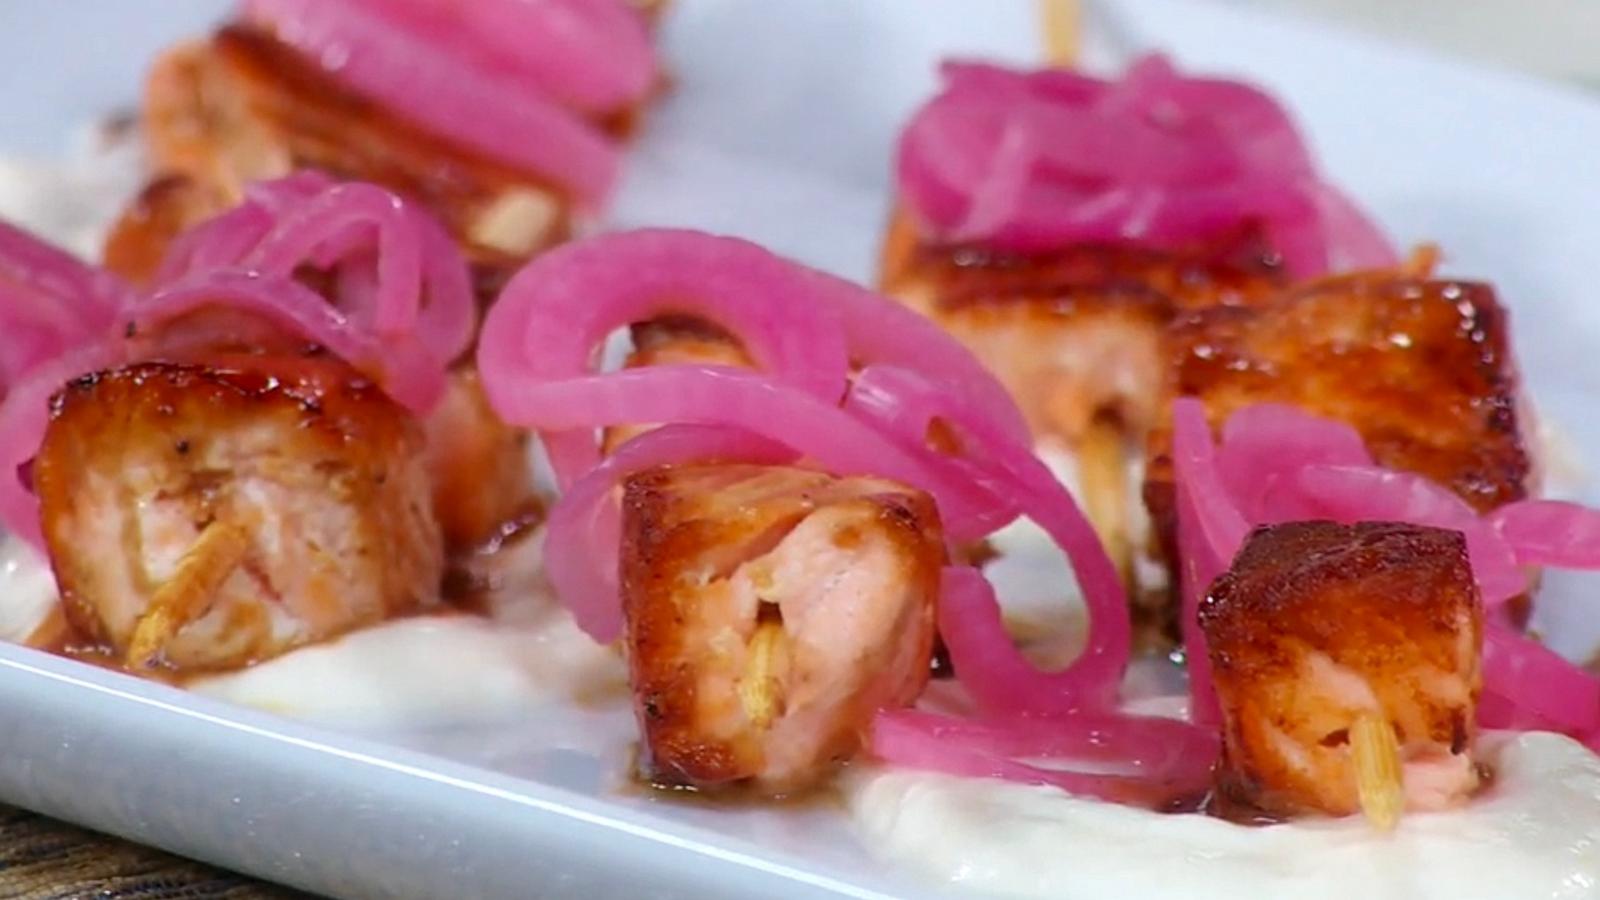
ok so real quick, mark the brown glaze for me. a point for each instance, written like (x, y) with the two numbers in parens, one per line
(1317, 623)
(1422, 368)
(848, 570)
(313, 465)
(1074, 333)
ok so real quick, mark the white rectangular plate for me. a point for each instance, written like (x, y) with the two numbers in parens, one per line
(779, 129)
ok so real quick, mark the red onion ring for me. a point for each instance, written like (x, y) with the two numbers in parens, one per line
(405, 368)
(226, 238)
(422, 283)
(1534, 686)
(1550, 533)
(593, 56)
(1210, 532)
(1170, 758)
(553, 313)
(1032, 161)
(906, 405)
(584, 532)
(49, 302)
(448, 94)
(736, 398)
(802, 326)
(417, 289)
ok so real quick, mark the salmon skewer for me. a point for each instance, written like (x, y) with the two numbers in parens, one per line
(770, 612)
(1077, 336)
(204, 516)
(1421, 368)
(1346, 663)
(241, 107)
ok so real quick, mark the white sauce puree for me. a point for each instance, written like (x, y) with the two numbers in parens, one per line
(27, 591)
(430, 670)
(1534, 834)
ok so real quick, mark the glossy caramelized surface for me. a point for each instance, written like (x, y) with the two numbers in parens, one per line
(1316, 625)
(264, 502)
(770, 612)
(1421, 368)
(1073, 333)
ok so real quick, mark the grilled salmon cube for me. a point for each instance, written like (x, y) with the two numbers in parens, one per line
(478, 465)
(1075, 333)
(1321, 630)
(1421, 368)
(243, 107)
(206, 517)
(770, 612)
(167, 206)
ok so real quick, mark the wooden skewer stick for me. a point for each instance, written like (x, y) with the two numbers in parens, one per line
(1103, 480)
(1062, 24)
(761, 687)
(1379, 784)
(188, 593)
(1101, 451)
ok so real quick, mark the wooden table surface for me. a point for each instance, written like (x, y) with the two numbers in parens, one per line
(42, 859)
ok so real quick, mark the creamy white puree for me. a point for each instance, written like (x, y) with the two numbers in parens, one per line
(1535, 834)
(430, 670)
(27, 591)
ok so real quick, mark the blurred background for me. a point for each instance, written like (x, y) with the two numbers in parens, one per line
(1553, 38)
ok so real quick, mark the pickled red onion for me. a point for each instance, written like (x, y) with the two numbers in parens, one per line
(450, 94)
(1210, 531)
(1350, 493)
(737, 398)
(1550, 533)
(1032, 161)
(400, 364)
(590, 55)
(585, 525)
(422, 286)
(226, 238)
(906, 405)
(419, 289)
(802, 326)
(24, 415)
(1533, 686)
(49, 302)
(1166, 759)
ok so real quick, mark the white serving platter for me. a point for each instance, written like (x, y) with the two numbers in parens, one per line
(780, 130)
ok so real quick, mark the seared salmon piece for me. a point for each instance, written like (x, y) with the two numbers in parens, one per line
(1074, 334)
(166, 207)
(1346, 662)
(243, 107)
(478, 465)
(206, 517)
(770, 612)
(1422, 368)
